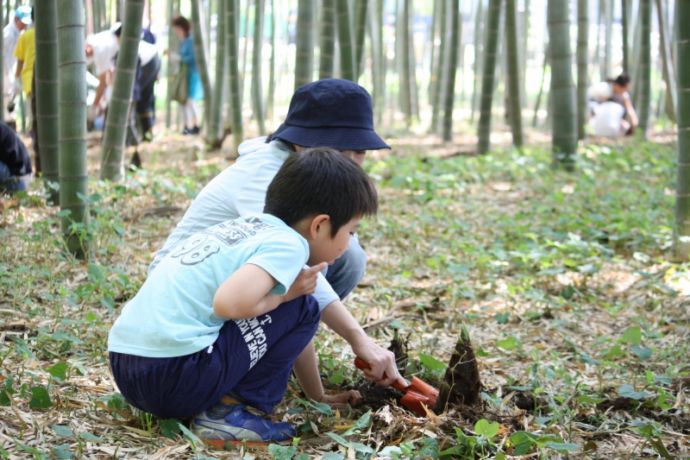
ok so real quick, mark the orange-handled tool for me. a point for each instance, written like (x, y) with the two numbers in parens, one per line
(418, 396)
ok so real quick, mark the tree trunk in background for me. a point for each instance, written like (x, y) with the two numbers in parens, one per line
(214, 136)
(272, 64)
(412, 65)
(564, 118)
(488, 70)
(378, 65)
(403, 58)
(95, 15)
(608, 27)
(452, 64)
(634, 57)
(361, 7)
(524, 52)
(257, 90)
(46, 69)
(304, 54)
(231, 26)
(682, 227)
(72, 124)
(172, 45)
(433, 58)
(644, 64)
(201, 61)
(242, 32)
(327, 39)
(624, 34)
(439, 71)
(514, 93)
(112, 160)
(582, 83)
(478, 53)
(346, 41)
(666, 64)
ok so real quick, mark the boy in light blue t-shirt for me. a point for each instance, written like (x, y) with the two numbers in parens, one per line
(219, 323)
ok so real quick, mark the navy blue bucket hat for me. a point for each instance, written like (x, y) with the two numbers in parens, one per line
(331, 113)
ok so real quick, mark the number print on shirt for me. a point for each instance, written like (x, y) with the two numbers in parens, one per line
(199, 247)
(196, 249)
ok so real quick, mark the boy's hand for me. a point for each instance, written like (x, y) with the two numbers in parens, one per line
(382, 367)
(305, 282)
(342, 399)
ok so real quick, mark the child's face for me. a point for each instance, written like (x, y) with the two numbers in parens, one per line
(324, 248)
(355, 155)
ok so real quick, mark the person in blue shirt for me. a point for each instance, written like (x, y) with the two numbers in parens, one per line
(195, 91)
(218, 325)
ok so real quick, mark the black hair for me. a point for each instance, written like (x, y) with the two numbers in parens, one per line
(321, 180)
(183, 23)
(621, 80)
(118, 31)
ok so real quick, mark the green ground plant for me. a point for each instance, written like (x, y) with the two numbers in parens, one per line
(563, 280)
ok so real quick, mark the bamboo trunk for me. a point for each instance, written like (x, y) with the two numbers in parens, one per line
(433, 53)
(644, 64)
(514, 93)
(453, 37)
(666, 64)
(272, 64)
(72, 125)
(346, 41)
(215, 130)
(488, 70)
(378, 65)
(257, 90)
(46, 69)
(478, 52)
(231, 26)
(682, 211)
(327, 39)
(440, 70)
(172, 44)
(304, 54)
(112, 161)
(608, 28)
(201, 60)
(582, 48)
(360, 12)
(624, 35)
(564, 118)
(403, 57)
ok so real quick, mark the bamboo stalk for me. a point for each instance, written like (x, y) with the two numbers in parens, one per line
(72, 125)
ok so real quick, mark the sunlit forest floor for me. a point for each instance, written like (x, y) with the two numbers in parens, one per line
(579, 320)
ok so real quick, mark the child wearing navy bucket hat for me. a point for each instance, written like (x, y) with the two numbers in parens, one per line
(326, 113)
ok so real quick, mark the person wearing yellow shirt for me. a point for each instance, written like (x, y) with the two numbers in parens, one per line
(25, 52)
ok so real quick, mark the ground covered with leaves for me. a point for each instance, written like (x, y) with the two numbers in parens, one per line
(579, 321)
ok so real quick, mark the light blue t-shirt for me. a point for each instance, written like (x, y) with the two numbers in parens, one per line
(172, 314)
(239, 190)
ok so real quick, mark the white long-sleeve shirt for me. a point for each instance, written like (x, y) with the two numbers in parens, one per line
(10, 36)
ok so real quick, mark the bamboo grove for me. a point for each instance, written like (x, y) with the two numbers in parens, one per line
(459, 70)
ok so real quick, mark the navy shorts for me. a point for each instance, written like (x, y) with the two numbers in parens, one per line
(251, 358)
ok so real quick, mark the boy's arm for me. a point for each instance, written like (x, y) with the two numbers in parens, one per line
(247, 292)
(307, 370)
(382, 361)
